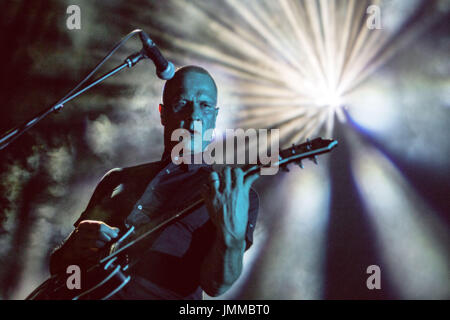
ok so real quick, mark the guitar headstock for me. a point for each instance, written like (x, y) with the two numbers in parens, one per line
(307, 150)
(295, 154)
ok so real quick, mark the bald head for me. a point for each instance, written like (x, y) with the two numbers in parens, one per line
(188, 76)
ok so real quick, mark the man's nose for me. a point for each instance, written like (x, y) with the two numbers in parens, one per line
(194, 114)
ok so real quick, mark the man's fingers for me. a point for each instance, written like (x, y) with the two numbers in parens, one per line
(89, 225)
(104, 237)
(111, 232)
(90, 228)
(250, 179)
(96, 236)
(215, 181)
(227, 174)
(238, 177)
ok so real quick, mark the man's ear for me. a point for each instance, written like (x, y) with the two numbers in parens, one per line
(163, 114)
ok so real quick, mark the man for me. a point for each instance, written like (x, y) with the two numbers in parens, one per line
(202, 250)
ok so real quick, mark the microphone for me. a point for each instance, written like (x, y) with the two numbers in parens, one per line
(164, 69)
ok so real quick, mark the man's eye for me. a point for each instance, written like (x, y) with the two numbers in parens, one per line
(179, 105)
(206, 106)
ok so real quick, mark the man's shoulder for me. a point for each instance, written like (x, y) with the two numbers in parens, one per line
(125, 173)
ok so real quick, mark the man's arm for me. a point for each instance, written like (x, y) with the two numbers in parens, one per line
(90, 233)
(227, 202)
(221, 267)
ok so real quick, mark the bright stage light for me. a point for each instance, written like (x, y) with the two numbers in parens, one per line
(330, 99)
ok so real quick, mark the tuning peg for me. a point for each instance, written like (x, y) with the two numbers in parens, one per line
(308, 144)
(300, 164)
(314, 159)
(293, 149)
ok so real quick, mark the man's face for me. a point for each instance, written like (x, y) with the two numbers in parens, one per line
(190, 101)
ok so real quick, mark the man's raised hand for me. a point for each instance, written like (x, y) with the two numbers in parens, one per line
(227, 200)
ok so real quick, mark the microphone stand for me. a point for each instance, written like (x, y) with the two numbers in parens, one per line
(14, 133)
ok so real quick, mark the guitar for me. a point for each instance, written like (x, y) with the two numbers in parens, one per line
(111, 273)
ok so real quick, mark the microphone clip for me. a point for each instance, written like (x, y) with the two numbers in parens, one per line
(134, 58)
